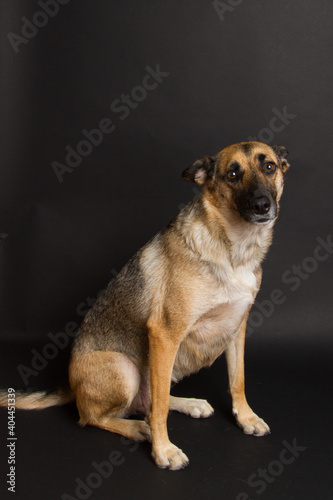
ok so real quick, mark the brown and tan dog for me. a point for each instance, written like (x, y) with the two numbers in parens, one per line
(178, 304)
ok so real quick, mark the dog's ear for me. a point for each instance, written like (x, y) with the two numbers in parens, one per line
(200, 170)
(282, 154)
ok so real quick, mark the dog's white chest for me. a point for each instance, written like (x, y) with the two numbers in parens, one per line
(227, 306)
(236, 284)
(222, 313)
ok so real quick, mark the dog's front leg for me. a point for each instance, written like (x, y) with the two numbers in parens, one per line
(162, 353)
(246, 418)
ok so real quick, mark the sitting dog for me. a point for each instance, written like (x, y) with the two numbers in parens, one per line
(178, 304)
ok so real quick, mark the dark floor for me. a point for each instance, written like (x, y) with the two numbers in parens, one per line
(289, 386)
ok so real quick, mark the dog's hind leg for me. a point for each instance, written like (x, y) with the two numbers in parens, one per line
(196, 408)
(132, 429)
(105, 384)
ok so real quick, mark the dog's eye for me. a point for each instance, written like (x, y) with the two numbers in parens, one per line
(232, 175)
(269, 168)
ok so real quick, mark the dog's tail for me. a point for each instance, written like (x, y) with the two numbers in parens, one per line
(36, 400)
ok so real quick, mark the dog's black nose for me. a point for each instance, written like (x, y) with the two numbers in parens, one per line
(260, 205)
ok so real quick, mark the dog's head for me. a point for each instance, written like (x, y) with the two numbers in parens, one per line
(246, 177)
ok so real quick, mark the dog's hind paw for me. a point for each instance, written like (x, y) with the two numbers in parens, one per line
(196, 408)
(199, 408)
(142, 432)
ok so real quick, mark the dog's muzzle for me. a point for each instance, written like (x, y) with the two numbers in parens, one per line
(262, 209)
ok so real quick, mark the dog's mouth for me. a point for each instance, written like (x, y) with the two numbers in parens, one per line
(264, 220)
(260, 219)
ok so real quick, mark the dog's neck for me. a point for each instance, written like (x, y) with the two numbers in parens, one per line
(218, 232)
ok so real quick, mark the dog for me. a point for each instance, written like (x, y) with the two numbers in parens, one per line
(177, 305)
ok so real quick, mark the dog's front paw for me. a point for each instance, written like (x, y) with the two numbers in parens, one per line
(170, 457)
(252, 424)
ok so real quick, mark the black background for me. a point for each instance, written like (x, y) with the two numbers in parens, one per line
(61, 242)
